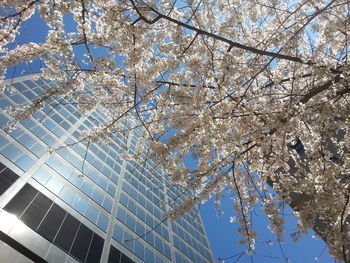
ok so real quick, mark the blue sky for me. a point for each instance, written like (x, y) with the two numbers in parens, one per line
(223, 238)
(222, 234)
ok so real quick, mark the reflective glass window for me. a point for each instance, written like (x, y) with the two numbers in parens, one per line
(130, 222)
(49, 124)
(42, 176)
(11, 152)
(86, 187)
(158, 244)
(102, 222)
(157, 213)
(72, 119)
(141, 200)
(29, 83)
(38, 150)
(139, 249)
(29, 95)
(165, 233)
(102, 182)
(183, 247)
(176, 242)
(26, 141)
(159, 259)
(19, 86)
(79, 204)
(106, 171)
(132, 206)
(158, 229)
(91, 213)
(97, 196)
(48, 139)
(16, 133)
(3, 120)
(140, 229)
(118, 234)
(149, 207)
(133, 193)
(57, 118)
(4, 103)
(149, 220)
(58, 132)
(91, 173)
(18, 99)
(109, 161)
(54, 185)
(125, 187)
(76, 180)
(114, 179)
(140, 213)
(128, 241)
(123, 199)
(150, 238)
(67, 194)
(167, 251)
(121, 215)
(24, 162)
(149, 256)
(111, 189)
(39, 132)
(65, 125)
(3, 142)
(107, 204)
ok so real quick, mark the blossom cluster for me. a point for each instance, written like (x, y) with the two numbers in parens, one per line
(239, 85)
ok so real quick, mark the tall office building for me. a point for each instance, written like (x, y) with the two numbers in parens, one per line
(49, 212)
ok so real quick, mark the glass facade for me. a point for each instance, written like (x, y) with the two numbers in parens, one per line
(81, 202)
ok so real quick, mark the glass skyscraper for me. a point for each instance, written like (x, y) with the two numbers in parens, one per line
(66, 201)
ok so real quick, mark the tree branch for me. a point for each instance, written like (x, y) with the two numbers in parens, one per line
(231, 44)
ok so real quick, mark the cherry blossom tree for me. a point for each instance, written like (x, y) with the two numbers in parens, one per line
(238, 85)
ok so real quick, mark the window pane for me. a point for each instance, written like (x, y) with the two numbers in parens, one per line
(102, 222)
(81, 243)
(114, 255)
(128, 241)
(140, 229)
(158, 244)
(149, 256)
(36, 211)
(67, 194)
(54, 185)
(121, 215)
(118, 234)
(111, 189)
(38, 150)
(26, 141)
(51, 223)
(95, 249)
(11, 152)
(140, 213)
(91, 213)
(130, 222)
(79, 204)
(139, 249)
(7, 178)
(97, 196)
(21, 200)
(86, 187)
(107, 204)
